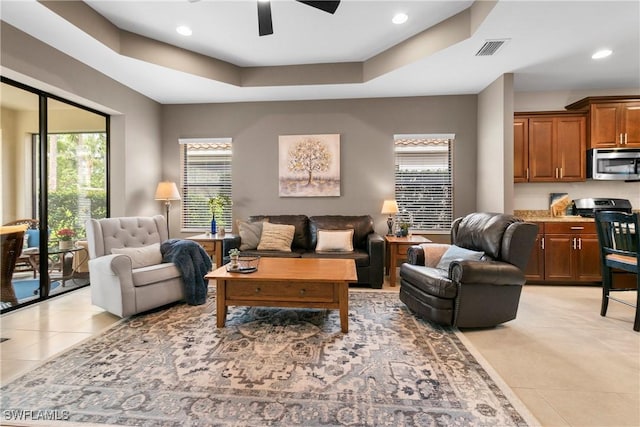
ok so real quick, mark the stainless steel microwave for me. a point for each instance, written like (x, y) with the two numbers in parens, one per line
(621, 164)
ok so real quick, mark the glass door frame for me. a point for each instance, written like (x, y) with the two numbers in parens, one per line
(42, 197)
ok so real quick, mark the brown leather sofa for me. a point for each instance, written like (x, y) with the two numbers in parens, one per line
(470, 293)
(368, 245)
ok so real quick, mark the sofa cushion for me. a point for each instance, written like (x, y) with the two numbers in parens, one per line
(362, 226)
(274, 254)
(454, 253)
(335, 241)
(361, 257)
(300, 222)
(250, 233)
(142, 256)
(276, 237)
(155, 273)
(432, 281)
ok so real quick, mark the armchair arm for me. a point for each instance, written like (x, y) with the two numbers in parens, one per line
(427, 254)
(415, 255)
(485, 272)
(112, 284)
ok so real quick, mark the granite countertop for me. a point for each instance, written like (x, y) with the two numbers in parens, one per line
(545, 216)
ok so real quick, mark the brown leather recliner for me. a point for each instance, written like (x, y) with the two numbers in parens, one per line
(453, 286)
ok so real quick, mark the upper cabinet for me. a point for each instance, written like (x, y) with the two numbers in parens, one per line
(549, 147)
(614, 121)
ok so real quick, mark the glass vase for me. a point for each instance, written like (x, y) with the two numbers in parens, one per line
(214, 227)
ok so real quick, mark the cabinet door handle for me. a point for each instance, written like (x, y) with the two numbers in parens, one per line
(573, 243)
(577, 227)
(579, 243)
(527, 173)
(556, 173)
(625, 138)
(620, 138)
(561, 174)
(542, 243)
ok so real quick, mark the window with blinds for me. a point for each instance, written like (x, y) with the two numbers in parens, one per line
(206, 172)
(424, 181)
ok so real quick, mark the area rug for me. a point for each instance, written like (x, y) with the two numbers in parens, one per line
(269, 367)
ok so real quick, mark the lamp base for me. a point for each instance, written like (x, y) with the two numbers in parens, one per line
(390, 225)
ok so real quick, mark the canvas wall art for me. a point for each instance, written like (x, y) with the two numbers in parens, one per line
(309, 165)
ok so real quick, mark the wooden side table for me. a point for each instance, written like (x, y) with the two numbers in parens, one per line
(396, 250)
(212, 244)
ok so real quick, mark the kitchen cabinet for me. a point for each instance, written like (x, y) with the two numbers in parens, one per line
(566, 252)
(614, 121)
(549, 147)
(520, 149)
(535, 267)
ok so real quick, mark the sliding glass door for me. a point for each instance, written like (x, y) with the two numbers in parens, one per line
(56, 185)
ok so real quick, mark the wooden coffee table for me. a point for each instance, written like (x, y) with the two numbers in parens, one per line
(287, 282)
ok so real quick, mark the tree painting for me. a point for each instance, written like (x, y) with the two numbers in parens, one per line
(309, 165)
(309, 155)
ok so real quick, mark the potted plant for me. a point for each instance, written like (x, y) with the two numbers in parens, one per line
(404, 228)
(234, 254)
(64, 238)
(216, 206)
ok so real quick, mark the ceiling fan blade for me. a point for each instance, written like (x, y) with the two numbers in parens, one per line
(327, 6)
(265, 26)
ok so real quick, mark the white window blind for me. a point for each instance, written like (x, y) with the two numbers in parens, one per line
(206, 172)
(424, 181)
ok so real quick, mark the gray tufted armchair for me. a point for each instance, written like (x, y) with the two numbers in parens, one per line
(125, 265)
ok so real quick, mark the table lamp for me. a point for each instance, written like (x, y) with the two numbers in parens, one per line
(390, 207)
(167, 191)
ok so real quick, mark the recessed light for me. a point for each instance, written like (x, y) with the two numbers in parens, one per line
(601, 54)
(184, 30)
(400, 18)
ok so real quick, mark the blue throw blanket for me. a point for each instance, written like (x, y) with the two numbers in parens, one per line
(193, 263)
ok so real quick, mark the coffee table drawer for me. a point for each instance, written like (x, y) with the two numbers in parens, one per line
(280, 291)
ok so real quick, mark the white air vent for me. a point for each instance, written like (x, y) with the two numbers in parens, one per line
(490, 47)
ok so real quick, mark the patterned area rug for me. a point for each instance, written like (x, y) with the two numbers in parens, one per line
(269, 367)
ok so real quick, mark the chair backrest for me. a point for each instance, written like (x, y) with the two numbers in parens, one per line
(502, 237)
(32, 234)
(11, 242)
(103, 235)
(618, 234)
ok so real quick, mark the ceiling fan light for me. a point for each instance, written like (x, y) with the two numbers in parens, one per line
(184, 30)
(603, 53)
(400, 18)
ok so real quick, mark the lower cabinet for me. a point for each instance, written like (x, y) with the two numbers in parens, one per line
(565, 252)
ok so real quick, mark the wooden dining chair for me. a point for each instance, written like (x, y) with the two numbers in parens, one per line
(619, 236)
(28, 262)
(11, 243)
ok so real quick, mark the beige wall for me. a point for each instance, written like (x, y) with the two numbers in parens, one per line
(135, 144)
(366, 128)
(495, 147)
(536, 195)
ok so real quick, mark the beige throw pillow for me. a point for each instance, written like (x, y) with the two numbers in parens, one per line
(142, 256)
(335, 241)
(250, 233)
(276, 237)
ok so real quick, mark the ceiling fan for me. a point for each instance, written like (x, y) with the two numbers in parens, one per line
(265, 25)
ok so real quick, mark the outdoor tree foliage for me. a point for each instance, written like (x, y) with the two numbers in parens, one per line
(77, 180)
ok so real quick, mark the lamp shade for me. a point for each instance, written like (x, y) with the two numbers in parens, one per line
(390, 207)
(167, 190)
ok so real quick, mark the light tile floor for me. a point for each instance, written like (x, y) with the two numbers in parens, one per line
(569, 365)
